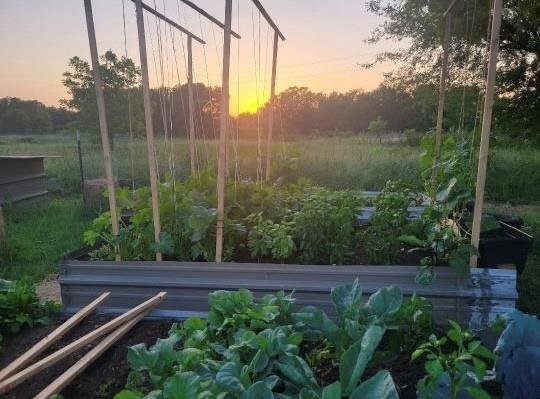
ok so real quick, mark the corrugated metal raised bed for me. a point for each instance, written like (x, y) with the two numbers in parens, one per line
(477, 301)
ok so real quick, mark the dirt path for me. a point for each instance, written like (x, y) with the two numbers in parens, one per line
(49, 289)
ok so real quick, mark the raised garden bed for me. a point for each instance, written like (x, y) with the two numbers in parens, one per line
(473, 302)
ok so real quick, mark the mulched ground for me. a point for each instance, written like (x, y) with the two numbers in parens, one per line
(102, 379)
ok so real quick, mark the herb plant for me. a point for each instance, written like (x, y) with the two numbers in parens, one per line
(456, 363)
(20, 307)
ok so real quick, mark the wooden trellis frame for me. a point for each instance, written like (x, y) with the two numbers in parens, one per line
(496, 11)
(224, 120)
(225, 102)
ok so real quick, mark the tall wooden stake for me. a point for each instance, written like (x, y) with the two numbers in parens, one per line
(271, 109)
(149, 125)
(81, 170)
(486, 128)
(191, 106)
(223, 130)
(107, 160)
(442, 93)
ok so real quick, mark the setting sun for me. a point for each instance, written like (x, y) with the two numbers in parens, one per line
(247, 104)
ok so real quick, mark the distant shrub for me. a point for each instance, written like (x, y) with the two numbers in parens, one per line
(377, 126)
(412, 137)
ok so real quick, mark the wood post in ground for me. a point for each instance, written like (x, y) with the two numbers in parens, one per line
(223, 130)
(271, 109)
(191, 106)
(152, 164)
(98, 83)
(81, 170)
(38, 348)
(442, 93)
(486, 128)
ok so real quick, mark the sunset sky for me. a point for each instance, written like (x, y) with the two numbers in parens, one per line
(325, 44)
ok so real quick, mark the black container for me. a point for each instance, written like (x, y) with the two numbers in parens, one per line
(504, 246)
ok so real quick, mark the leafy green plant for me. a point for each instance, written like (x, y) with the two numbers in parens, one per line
(267, 238)
(381, 238)
(324, 225)
(455, 363)
(20, 307)
(443, 230)
(252, 349)
(357, 335)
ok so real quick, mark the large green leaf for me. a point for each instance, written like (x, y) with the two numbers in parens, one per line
(332, 391)
(385, 302)
(259, 390)
(229, 378)
(127, 394)
(141, 358)
(297, 371)
(347, 300)
(445, 192)
(182, 386)
(355, 359)
(318, 320)
(380, 386)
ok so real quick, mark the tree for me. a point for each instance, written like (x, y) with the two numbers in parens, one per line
(421, 23)
(15, 121)
(24, 117)
(121, 88)
(377, 126)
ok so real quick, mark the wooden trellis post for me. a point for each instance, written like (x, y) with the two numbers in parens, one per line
(223, 130)
(486, 128)
(191, 106)
(100, 97)
(442, 92)
(152, 165)
(271, 109)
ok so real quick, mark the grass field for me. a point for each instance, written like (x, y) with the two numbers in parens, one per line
(349, 162)
(39, 234)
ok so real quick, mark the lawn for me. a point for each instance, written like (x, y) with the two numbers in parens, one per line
(337, 162)
(38, 234)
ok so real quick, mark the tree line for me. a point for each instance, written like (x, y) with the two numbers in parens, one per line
(33, 117)
(299, 111)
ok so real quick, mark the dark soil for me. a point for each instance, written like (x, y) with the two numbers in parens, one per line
(102, 379)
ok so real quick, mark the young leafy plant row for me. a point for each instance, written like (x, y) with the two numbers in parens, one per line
(265, 349)
(292, 223)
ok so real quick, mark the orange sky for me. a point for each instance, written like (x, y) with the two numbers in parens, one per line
(325, 44)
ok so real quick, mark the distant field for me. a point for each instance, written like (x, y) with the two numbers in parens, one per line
(514, 174)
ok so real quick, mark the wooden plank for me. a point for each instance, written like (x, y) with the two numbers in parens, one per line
(39, 347)
(70, 374)
(191, 107)
(171, 22)
(209, 17)
(223, 131)
(150, 142)
(102, 114)
(21, 376)
(486, 128)
(271, 109)
(268, 18)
